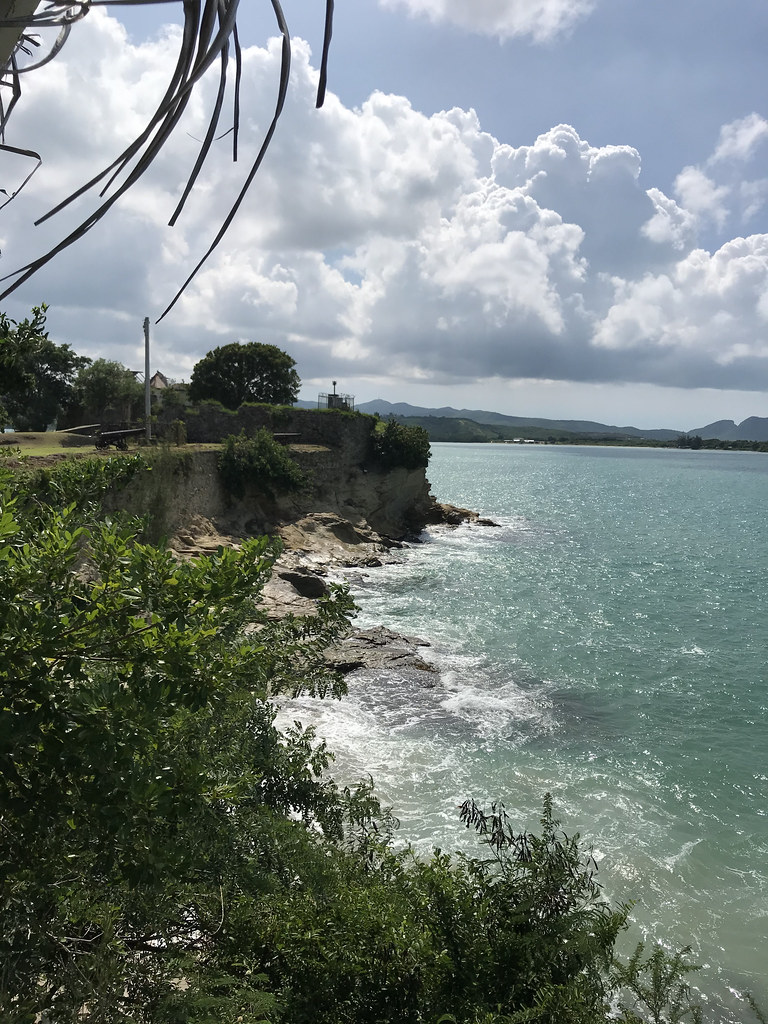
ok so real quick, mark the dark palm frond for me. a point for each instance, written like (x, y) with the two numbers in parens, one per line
(236, 101)
(209, 135)
(209, 28)
(51, 14)
(285, 70)
(30, 154)
(322, 84)
(9, 79)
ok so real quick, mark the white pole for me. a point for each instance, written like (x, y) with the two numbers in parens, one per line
(147, 396)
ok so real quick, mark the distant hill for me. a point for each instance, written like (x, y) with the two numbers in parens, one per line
(455, 428)
(449, 428)
(753, 429)
(523, 424)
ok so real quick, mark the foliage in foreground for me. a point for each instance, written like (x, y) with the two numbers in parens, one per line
(168, 855)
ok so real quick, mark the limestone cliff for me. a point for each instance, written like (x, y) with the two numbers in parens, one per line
(182, 489)
(334, 449)
(352, 512)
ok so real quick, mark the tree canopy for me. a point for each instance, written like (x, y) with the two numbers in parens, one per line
(36, 374)
(105, 388)
(245, 372)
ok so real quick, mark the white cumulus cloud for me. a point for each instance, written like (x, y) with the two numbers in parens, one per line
(701, 195)
(739, 139)
(379, 243)
(709, 309)
(542, 20)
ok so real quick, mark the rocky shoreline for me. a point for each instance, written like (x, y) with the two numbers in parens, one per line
(315, 546)
(321, 543)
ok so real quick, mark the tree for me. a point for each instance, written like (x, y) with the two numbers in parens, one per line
(36, 374)
(106, 388)
(245, 372)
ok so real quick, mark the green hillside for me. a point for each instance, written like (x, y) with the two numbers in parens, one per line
(446, 428)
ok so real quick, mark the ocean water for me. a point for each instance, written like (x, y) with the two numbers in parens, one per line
(606, 643)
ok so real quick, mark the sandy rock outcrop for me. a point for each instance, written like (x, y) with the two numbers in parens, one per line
(314, 544)
(325, 538)
(380, 648)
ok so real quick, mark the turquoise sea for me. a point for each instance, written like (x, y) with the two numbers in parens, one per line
(605, 643)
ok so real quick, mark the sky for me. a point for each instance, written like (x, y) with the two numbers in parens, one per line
(553, 208)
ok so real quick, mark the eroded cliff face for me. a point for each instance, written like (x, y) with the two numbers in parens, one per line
(394, 503)
(182, 491)
(351, 514)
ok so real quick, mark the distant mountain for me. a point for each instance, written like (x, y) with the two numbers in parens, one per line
(722, 429)
(753, 429)
(499, 419)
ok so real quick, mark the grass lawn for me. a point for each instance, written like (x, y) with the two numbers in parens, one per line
(41, 444)
(49, 442)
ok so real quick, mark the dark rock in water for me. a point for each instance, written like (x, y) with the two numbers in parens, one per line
(389, 542)
(449, 515)
(452, 515)
(441, 514)
(304, 582)
(378, 648)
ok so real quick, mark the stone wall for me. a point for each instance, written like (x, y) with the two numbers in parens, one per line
(211, 422)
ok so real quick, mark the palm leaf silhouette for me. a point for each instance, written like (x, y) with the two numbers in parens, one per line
(209, 35)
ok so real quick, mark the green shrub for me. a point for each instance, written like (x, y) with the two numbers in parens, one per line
(258, 460)
(395, 444)
(83, 482)
(178, 432)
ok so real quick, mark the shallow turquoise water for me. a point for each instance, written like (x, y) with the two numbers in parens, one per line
(606, 643)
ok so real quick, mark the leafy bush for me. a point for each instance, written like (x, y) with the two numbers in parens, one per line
(178, 432)
(395, 444)
(258, 460)
(82, 482)
(145, 793)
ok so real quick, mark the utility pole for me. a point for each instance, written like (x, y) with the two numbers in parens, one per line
(147, 396)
